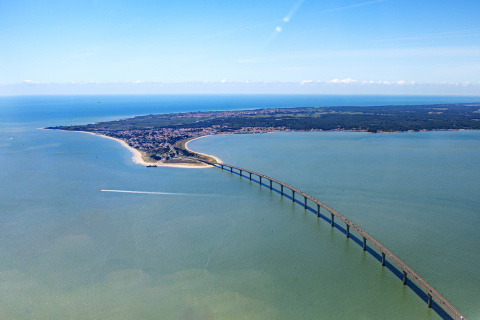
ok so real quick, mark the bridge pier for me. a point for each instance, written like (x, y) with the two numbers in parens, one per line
(431, 292)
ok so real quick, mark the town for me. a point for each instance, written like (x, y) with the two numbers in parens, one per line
(162, 138)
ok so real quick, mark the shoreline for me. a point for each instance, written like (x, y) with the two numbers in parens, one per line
(203, 154)
(138, 156)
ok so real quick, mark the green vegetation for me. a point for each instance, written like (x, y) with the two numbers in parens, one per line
(162, 137)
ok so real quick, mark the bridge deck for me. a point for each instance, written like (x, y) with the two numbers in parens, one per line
(447, 306)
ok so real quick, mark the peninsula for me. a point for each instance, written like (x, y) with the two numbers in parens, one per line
(162, 139)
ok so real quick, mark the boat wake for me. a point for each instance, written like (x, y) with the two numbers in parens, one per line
(154, 192)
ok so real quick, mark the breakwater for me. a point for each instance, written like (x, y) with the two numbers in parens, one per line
(432, 297)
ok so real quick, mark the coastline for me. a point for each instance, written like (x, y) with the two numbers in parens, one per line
(203, 154)
(138, 157)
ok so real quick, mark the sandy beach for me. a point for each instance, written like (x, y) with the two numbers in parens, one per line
(138, 156)
(207, 155)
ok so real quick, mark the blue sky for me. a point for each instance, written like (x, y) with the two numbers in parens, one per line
(294, 46)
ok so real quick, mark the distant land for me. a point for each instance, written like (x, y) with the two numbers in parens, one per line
(161, 139)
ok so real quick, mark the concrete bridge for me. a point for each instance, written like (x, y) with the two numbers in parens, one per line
(408, 273)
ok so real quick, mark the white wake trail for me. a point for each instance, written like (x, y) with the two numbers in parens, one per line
(153, 192)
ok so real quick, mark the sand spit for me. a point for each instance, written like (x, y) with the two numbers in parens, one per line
(138, 156)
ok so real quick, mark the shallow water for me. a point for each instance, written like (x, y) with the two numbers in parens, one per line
(218, 246)
(417, 193)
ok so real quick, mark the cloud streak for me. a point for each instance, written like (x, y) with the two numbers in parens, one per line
(297, 5)
(286, 19)
(440, 35)
(352, 6)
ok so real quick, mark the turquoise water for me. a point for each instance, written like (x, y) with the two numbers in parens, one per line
(217, 246)
(417, 193)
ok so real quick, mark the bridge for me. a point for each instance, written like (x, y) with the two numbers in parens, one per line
(408, 272)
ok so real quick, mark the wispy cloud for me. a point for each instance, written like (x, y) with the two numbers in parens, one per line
(278, 28)
(439, 35)
(280, 25)
(297, 5)
(352, 6)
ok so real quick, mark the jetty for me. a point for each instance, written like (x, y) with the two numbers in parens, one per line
(305, 199)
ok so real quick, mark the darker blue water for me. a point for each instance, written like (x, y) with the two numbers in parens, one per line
(55, 110)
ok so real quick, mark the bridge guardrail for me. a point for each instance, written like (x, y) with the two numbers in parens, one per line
(431, 292)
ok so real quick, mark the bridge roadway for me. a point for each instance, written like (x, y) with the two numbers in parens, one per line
(407, 271)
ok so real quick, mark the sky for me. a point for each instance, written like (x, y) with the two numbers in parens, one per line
(267, 46)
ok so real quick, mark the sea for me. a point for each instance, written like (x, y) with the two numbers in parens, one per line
(85, 233)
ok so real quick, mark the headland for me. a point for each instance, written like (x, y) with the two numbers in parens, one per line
(162, 139)
(139, 157)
